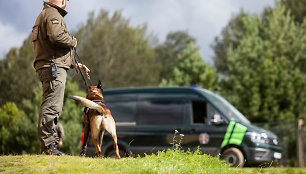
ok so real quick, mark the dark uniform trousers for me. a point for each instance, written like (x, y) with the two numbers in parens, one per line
(52, 104)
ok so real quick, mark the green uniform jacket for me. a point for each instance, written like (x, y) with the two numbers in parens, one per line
(51, 39)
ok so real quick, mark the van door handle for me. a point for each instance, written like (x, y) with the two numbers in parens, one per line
(191, 131)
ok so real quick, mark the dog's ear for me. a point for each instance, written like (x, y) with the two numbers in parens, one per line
(99, 85)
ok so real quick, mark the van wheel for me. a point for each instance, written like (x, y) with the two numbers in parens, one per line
(112, 154)
(233, 157)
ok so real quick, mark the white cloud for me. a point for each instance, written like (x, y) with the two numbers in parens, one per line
(10, 37)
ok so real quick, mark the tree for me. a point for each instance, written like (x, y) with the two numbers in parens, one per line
(17, 134)
(117, 54)
(297, 9)
(191, 70)
(235, 30)
(230, 36)
(168, 52)
(9, 113)
(266, 79)
(17, 75)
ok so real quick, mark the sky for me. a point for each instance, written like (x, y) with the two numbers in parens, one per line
(202, 19)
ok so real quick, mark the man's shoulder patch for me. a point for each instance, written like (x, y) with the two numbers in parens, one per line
(54, 21)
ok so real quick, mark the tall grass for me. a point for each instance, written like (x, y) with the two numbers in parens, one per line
(179, 161)
(170, 161)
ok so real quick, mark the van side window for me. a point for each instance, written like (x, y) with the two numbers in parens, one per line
(123, 111)
(199, 112)
(152, 112)
(211, 110)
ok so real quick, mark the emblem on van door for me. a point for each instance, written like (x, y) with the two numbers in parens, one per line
(204, 138)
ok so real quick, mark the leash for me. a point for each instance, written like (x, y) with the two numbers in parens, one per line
(76, 60)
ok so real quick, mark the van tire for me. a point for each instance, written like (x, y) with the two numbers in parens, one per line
(112, 154)
(234, 157)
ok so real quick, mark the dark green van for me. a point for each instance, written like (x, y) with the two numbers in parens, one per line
(147, 118)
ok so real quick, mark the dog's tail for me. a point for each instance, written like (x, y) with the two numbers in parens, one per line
(88, 103)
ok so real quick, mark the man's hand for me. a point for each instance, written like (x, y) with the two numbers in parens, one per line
(83, 67)
(60, 143)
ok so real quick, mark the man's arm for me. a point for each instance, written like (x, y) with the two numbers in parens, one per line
(58, 33)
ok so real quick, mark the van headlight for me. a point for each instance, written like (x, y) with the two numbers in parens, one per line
(275, 142)
(258, 138)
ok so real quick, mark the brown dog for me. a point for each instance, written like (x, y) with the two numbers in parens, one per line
(98, 118)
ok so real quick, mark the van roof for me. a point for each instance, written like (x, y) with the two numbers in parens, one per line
(137, 90)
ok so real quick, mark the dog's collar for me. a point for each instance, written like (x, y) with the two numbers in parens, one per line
(93, 96)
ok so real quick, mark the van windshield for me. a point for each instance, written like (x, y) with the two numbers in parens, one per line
(225, 107)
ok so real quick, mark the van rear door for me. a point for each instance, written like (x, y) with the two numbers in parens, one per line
(156, 120)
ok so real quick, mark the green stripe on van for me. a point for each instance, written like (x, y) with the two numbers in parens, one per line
(228, 133)
(238, 134)
(236, 137)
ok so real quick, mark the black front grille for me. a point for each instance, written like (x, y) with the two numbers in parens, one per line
(273, 141)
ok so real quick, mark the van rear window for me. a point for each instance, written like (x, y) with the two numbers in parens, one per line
(160, 112)
(123, 111)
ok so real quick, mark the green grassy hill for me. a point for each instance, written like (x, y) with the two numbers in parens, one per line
(164, 162)
(171, 161)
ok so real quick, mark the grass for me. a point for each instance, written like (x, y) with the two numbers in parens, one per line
(273, 170)
(171, 161)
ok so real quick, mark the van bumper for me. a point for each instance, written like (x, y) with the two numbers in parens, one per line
(261, 155)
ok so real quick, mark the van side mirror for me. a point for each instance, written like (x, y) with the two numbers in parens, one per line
(217, 120)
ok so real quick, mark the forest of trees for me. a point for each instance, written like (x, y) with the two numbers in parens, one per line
(259, 67)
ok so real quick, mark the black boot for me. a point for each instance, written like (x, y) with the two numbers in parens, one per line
(52, 150)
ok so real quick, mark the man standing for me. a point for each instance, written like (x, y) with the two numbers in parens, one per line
(53, 57)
